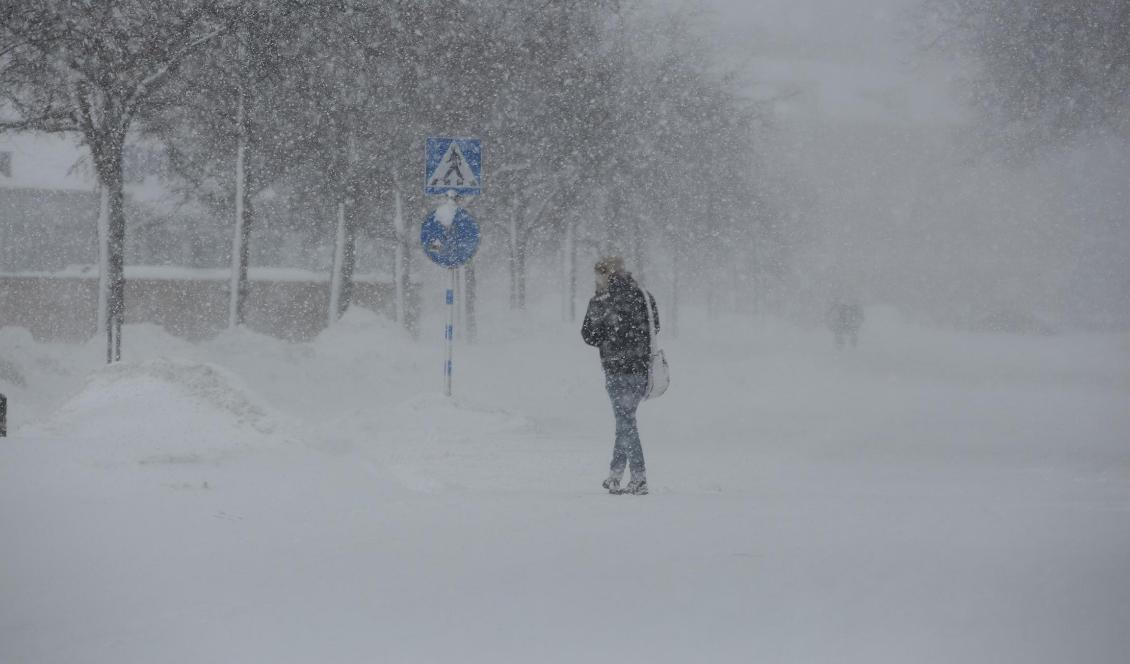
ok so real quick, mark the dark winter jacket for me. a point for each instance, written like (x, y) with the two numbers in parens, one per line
(616, 323)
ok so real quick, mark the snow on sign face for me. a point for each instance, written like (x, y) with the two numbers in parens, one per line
(449, 236)
(453, 164)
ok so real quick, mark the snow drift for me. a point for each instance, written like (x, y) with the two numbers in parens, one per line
(163, 409)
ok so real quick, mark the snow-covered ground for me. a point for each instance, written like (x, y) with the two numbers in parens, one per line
(927, 497)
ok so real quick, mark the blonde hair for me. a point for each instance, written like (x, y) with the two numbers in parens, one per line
(610, 265)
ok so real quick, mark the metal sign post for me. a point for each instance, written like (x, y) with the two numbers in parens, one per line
(449, 334)
(449, 235)
(450, 238)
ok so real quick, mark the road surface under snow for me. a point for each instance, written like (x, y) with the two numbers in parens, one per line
(928, 497)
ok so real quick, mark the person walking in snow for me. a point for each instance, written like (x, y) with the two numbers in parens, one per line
(845, 317)
(617, 323)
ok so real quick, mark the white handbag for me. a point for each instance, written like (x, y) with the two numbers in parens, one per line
(658, 374)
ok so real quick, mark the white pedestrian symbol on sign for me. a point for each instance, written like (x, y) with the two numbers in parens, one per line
(456, 172)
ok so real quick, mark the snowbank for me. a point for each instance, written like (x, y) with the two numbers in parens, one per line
(925, 497)
(162, 409)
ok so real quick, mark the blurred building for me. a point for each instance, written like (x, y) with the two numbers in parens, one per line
(49, 208)
(177, 268)
(48, 203)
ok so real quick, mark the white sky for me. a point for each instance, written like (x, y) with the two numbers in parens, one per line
(870, 26)
(859, 56)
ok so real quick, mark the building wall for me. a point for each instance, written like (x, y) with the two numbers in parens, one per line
(63, 308)
(47, 229)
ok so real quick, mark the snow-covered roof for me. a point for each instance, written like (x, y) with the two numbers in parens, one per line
(177, 273)
(37, 160)
(59, 162)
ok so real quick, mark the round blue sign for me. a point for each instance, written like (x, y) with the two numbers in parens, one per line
(450, 244)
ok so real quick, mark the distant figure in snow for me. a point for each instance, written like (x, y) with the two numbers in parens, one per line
(844, 319)
(617, 323)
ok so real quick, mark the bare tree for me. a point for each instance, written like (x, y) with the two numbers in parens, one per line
(92, 68)
(237, 120)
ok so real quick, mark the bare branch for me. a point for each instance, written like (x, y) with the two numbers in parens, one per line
(50, 124)
(158, 75)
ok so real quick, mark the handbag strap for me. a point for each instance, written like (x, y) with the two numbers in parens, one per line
(650, 324)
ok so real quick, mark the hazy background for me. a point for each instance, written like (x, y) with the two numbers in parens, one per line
(964, 162)
(906, 203)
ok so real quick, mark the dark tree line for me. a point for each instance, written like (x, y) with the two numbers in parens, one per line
(608, 126)
(1047, 72)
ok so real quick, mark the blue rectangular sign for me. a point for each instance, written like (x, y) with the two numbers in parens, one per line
(453, 164)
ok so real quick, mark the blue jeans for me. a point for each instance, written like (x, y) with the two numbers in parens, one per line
(626, 391)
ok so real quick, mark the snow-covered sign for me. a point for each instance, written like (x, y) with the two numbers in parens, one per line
(453, 164)
(450, 236)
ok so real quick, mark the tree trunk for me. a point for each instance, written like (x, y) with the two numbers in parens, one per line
(341, 279)
(712, 276)
(399, 274)
(517, 245)
(523, 243)
(240, 252)
(411, 303)
(637, 247)
(674, 317)
(400, 262)
(102, 324)
(512, 228)
(347, 216)
(569, 269)
(612, 227)
(349, 257)
(573, 273)
(117, 242)
(108, 156)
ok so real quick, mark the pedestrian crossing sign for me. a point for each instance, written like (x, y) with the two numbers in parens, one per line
(453, 164)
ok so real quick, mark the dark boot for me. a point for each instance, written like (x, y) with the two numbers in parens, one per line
(637, 486)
